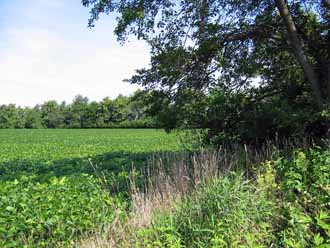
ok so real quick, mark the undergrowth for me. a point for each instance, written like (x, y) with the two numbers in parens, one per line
(287, 205)
(283, 201)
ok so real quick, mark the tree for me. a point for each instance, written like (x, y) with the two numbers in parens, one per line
(51, 114)
(78, 110)
(20, 118)
(92, 115)
(298, 50)
(9, 115)
(33, 117)
(135, 106)
(111, 111)
(126, 111)
(257, 53)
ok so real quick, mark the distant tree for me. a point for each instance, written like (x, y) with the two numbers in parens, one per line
(121, 104)
(8, 116)
(79, 114)
(32, 117)
(91, 115)
(20, 118)
(51, 115)
(136, 108)
(111, 112)
(78, 109)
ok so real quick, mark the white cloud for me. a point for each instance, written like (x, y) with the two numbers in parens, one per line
(40, 64)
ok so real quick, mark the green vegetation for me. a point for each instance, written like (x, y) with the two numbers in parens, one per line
(286, 205)
(64, 188)
(60, 152)
(50, 192)
(124, 111)
(243, 75)
(53, 212)
(245, 71)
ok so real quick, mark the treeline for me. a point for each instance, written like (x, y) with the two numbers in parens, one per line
(124, 111)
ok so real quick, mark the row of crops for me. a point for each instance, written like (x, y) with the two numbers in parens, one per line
(50, 185)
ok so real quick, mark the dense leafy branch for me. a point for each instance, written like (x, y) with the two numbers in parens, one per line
(231, 52)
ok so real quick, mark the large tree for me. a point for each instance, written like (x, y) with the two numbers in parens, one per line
(251, 50)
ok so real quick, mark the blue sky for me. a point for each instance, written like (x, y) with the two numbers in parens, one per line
(47, 52)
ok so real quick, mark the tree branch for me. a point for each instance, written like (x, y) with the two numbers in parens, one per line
(298, 50)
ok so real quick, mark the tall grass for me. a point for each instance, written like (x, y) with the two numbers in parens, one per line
(167, 181)
(227, 198)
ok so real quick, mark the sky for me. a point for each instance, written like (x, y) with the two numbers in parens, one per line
(47, 52)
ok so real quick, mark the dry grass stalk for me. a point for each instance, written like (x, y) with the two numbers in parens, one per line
(169, 178)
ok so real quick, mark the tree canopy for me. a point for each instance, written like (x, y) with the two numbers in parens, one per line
(123, 111)
(248, 69)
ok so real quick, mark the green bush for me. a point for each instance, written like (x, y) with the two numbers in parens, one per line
(305, 189)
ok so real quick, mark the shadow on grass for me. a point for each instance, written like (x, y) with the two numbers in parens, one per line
(113, 168)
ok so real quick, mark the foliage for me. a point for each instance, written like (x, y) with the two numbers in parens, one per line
(306, 193)
(268, 119)
(58, 184)
(50, 194)
(52, 213)
(286, 206)
(240, 69)
(81, 113)
(226, 212)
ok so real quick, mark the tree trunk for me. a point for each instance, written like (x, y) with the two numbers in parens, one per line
(298, 50)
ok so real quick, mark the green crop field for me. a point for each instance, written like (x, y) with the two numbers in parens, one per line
(49, 191)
